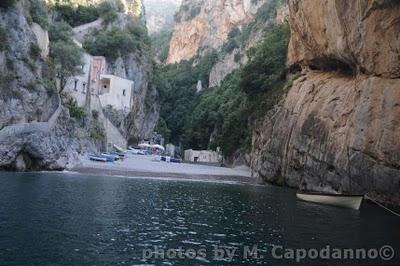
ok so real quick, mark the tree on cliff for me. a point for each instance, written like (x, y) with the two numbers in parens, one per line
(67, 58)
(66, 55)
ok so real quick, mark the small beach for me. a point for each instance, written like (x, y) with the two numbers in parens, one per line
(148, 166)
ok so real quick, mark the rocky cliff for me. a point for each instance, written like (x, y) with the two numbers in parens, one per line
(338, 128)
(160, 14)
(205, 24)
(35, 130)
(270, 13)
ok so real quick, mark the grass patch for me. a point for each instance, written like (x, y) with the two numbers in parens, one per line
(96, 131)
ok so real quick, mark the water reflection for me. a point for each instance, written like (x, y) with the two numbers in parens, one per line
(70, 219)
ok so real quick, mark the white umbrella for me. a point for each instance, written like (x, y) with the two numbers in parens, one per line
(159, 147)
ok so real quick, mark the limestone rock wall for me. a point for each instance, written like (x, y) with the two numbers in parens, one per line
(338, 128)
(23, 97)
(363, 34)
(238, 57)
(203, 24)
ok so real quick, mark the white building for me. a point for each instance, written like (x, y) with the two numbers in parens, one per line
(111, 90)
(202, 156)
(116, 91)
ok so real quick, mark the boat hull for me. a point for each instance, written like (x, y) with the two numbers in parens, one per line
(344, 201)
(98, 159)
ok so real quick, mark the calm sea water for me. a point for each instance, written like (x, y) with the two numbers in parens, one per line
(65, 219)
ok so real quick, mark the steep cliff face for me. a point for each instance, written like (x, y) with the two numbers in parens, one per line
(339, 126)
(142, 119)
(362, 34)
(270, 13)
(35, 130)
(203, 24)
(21, 73)
(160, 14)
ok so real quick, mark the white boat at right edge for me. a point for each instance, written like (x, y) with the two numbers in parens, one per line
(339, 200)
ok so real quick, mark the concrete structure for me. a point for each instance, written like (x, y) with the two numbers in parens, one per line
(116, 91)
(202, 156)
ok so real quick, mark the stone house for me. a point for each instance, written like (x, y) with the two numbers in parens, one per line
(110, 89)
(117, 92)
(205, 156)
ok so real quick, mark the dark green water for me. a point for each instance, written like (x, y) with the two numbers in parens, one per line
(65, 219)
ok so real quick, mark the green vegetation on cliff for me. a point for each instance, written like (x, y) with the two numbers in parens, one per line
(117, 42)
(266, 63)
(177, 91)
(223, 116)
(160, 44)
(77, 13)
(219, 118)
(237, 37)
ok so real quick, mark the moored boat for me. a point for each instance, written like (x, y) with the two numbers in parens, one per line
(340, 200)
(97, 159)
(110, 157)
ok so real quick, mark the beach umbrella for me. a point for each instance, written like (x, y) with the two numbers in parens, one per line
(159, 147)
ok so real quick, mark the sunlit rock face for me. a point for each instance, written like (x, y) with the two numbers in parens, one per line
(203, 24)
(363, 34)
(338, 128)
(238, 56)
